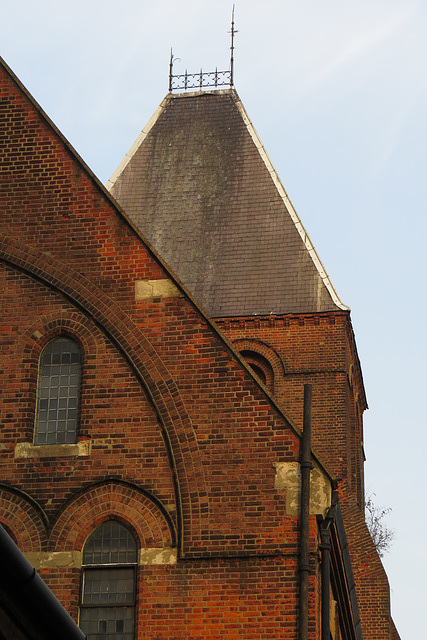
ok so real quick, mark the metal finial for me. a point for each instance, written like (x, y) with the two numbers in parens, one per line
(171, 76)
(170, 71)
(233, 31)
(202, 80)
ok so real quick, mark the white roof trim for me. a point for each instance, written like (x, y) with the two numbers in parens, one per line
(298, 224)
(134, 148)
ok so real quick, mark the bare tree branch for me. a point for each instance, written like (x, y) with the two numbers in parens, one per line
(381, 534)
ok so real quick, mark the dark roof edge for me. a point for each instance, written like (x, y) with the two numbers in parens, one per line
(29, 600)
(154, 253)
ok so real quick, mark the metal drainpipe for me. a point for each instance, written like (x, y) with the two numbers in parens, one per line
(325, 548)
(306, 466)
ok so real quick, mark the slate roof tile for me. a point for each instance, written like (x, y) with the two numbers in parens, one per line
(201, 188)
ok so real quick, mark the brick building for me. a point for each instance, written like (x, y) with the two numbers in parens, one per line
(151, 456)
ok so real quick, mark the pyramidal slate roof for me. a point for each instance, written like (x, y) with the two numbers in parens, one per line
(201, 188)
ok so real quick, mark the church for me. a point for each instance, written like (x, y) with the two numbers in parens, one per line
(182, 407)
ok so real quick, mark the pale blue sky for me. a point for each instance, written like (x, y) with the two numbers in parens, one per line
(337, 91)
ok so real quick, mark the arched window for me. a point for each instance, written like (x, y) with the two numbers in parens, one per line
(107, 605)
(58, 392)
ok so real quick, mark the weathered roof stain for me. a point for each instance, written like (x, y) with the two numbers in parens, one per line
(201, 188)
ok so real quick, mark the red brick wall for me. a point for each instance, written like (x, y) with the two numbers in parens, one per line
(315, 349)
(233, 599)
(107, 382)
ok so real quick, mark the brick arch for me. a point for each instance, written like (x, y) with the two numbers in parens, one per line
(52, 325)
(260, 348)
(161, 388)
(24, 519)
(111, 501)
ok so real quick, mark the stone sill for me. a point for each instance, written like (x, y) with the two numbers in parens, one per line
(29, 450)
(73, 559)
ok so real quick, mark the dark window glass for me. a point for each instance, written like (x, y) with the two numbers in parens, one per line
(110, 543)
(108, 623)
(58, 392)
(108, 587)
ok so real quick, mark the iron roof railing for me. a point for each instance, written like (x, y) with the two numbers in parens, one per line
(200, 80)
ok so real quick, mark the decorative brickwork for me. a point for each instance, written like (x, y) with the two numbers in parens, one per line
(23, 518)
(111, 501)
